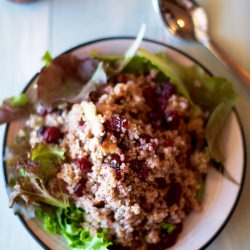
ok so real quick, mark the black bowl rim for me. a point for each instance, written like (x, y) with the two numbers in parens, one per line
(216, 234)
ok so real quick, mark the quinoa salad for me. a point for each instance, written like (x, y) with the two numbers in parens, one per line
(122, 164)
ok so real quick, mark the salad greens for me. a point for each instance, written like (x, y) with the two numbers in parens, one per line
(63, 79)
(99, 77)
(200, 191)
(69, 223)
(47, 58)
(18, 149)
(33, 189)
(18, 101)
(47, 156)
(166, 70)
(169, 227)
(14, 108)
(213, 94)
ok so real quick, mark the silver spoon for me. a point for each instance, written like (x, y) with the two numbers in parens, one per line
(186, 19)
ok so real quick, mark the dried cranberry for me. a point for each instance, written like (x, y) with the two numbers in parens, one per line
(81, 122)
(174, 194)
(123, 78)
(168, 142)
(149, 96)
(79, 189)
(84, 165)
(52, 135)
(161, 182)
(140, 168)
(172, 119)
(117, 124)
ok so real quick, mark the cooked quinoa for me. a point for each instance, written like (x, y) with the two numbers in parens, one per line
(129, 169)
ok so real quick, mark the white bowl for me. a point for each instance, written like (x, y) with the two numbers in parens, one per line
(221, 195)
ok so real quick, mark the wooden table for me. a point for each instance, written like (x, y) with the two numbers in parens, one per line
(28, 30)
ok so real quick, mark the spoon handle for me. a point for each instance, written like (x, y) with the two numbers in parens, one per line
(242, 74)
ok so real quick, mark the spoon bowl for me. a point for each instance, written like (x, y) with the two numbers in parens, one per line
(187, 20)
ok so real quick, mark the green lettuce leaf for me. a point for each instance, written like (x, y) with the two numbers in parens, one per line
(170, 73)
(47, 156)
(47, 58)
(18, 101)
(31, 189)
(169, 227)
(115, 64)
(200, 191)
(213, 94)
(69, 223)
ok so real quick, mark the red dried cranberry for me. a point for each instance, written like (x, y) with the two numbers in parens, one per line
(117, 124)
(123, 78)
(84, 165)
(52, 135)
(81, 122)
(161, 182)
(168, 142)
(172, 119)
(140, 168)
(149, 96)
(79, 189)
(174, 194)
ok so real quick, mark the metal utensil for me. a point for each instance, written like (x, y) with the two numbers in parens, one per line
(186, 19)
